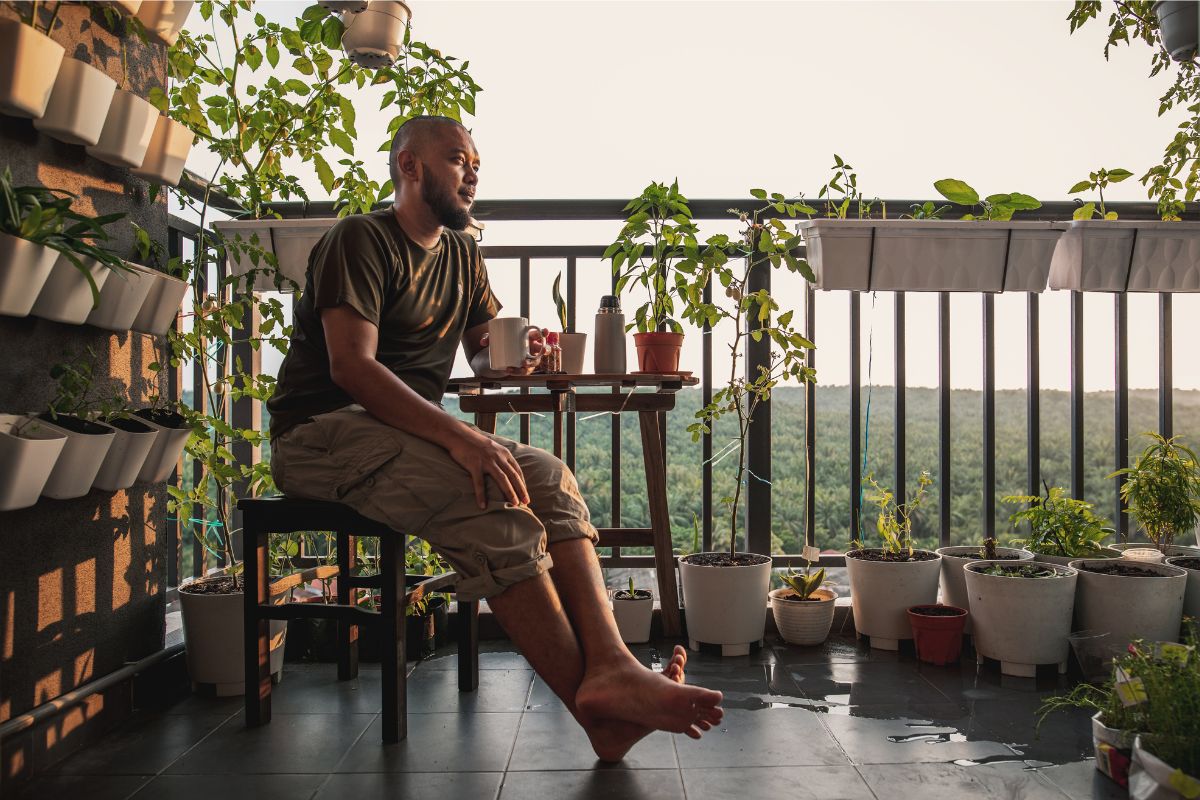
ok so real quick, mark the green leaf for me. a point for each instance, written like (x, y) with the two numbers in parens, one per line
(342, 140)
(1023, 202)
(1082, 186)
(957, 191)
(331, 32)
(759, 194)
(1085, 211)
(1118, 175)
(324, 172)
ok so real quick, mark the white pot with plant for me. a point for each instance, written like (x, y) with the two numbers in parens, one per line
(574, 345)
(207, 608)
(165, 298)
(633, 610)
(1022, 612)
(78, 104)
(839, 248)
(1191, 596)
(802, 608)
(29, 63)
(164, 19)
(129, 123)
(374, 37)
(724, 594)
(122, 298)
(886, 581)
(73, 287)
(28, 453)
(1061, 528)
(84, 451)
(125, 459)
(173, 432)
(952, 584)
(1130, 599)
(167, 152)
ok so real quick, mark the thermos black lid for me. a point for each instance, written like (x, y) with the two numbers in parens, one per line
(610, 301)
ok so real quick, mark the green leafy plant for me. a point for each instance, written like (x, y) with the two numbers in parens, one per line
(1059, 525)
(895, 520)
(630, 593)
(994, 207)
(1162, 489)
(1097, 182)
(1018, 571)
(77, 393)
(560, 305)
(841, 191)
(988, 550)
(657, 248)
(807, 582)
(926, 210)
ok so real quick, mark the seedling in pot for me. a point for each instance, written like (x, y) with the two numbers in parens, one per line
(845, 183)
(894, 523)
(994, 207)
(1096, 182)
(1060, 525)
(1018, 571)
(807, 582)
(1162, 490)
(632, 593)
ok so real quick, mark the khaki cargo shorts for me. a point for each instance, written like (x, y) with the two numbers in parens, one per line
(414, 487)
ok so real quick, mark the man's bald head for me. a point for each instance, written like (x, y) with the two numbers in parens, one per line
(414, 134)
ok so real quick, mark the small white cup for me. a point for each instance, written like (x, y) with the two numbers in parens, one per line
(508, 341)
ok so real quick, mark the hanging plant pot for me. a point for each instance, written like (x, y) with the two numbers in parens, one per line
(120, 468)
(374, 37)
(344, 6)
(1127, 256)
(937, 632)
(24, 268)
(725, 604)
(127, 130)
(881, 591)
(1130, 599)
(952, 585)
(163, 19)
(633, 611)
(1179, 27)
(1191, 596)
(289, 240)
(121, 299)
(29, 62)
(78, 105)
(161, 305)
(67, 295)
(803, 622)
(173, 433)
(28, 452)
(87, 445)
(658, 351)
(167, 152)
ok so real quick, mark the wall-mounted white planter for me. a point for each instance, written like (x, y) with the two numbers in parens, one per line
(29, 62)
(122, 298)
(1149, 606)
(883, 591)
(77, 467)
(373, 37)
(1120, 255)
(291, 240)
(127, 131)
(952, 585)
(162, 303)
(725, 605)
(67, 295)
(164, 454)
(78, 105)
(167, 153)
(124, 460)
(164, 18)
(24, 268)
(26, 459)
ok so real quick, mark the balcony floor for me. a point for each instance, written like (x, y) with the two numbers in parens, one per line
(838, 721)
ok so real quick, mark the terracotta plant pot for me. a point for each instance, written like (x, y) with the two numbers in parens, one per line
(937, 632)
(24, 268)
(67, 295)
(803, 622)
(658, 351)
(29, 63)
(26, 459)
(164, 18)
(167, 153)
(373, 37)
(127, 130)
(633, 615)
(78, 104)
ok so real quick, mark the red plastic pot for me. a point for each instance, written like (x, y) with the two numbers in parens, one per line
(937, 633)
(658, 351)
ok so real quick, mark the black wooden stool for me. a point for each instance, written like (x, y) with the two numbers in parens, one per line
(267, 515)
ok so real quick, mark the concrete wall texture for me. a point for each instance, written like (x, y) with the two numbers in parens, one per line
(82, 581)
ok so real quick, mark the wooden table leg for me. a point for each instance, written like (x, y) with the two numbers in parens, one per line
(660, 521)
(256, 630)
(392, 603)
(486, 421)
(347, 633)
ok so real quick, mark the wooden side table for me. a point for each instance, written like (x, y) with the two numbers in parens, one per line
(562, 399)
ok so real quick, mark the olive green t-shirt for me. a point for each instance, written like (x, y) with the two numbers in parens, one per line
(421, 300)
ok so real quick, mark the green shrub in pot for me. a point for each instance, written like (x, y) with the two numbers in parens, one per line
(1162, 490)
(1061, 528)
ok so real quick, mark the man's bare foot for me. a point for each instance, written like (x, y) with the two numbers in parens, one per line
(674, 668)
(628, 692)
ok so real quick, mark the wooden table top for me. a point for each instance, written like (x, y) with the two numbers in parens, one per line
(559, 382)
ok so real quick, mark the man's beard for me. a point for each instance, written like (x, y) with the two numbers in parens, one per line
(441, 202)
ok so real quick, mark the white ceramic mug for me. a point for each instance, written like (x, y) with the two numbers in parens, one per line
(508, 341)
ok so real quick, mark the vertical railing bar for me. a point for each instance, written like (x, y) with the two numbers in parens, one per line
(898, 433)
(944, 477)
(855, 410)
(1077, 477)
(172, 528)
(615, 466)
(989, 415)
(706, 393)
(1033, 398)
(524, 418)
(757, 480)
(200, 403)
(1121, 406)
(571, 310)
(1166, 388)
(810, 421)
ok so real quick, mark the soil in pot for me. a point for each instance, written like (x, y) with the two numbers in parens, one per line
(1187, 563)
(724, 560)
(1125, 570)
(217, 585)
(162, 417)
(1019, 571)
(937, 611)
(636, 594)
(897, 558)
(75, 424)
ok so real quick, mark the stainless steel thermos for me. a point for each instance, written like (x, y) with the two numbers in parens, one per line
(609, 356)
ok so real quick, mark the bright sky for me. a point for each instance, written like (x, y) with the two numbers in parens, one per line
(596, 99)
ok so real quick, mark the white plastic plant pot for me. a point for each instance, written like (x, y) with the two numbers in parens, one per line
(1151, 778)
(839, 252)
(1191, 597)
(344, 6)
(633, 615)
(120, 468)
(127, 130)
(78, 105)
(373, 38)
(28, 453)
(952, 585)
(1146, 606)
(67, 295)
(1105, 741)
(167, 153)
(1127, 256)
(1021, 622)
(29, 62)
(164, 454)
(1170, 550)
(24, 268)
(212, 633)
(1063, 561)
(162, 304)
(803, 622)
(574, 348)
(121, 298)
(289, 240)
(76, 469)
(164, 19)
(725, 605)
(881, 593)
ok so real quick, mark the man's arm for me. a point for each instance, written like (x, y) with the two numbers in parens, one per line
(352, 342)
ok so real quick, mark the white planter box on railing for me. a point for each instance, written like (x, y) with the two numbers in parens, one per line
(162, 303)
(77, 467)
(67, 296)
(121, 298)
(127, 130)
(1127, 256)
(29, 63)
(78, 105)
(167, 153)
(164, 18)
(124, 460)
(290, 240)
(26, 459)
(24, 268)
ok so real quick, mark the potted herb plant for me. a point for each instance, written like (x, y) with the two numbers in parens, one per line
(574, 345)
(1130, 599)
(952, 583)
(839, 247)
(725, 593)
(886, 581)
(1061, 528)
(168, 286)
(28, 453)
(656, 249)
(1162, 491)
(633, 610)
(29, 63)
(802, 607)
(87, 444)
(72, 290)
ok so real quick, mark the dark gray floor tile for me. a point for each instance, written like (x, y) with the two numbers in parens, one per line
(542, 698)
(499, 690)
(1064, 736)
(438, 743)
(198, 703)
(951, 782)
(835, 649)
(412, 786)
(230, 787)
(773, 737)
(493, 660)
(315, 689)
(554, 741)
(305, 743)
(864, 684)
(144, 745)
(970, 682)
(599, 784)
(93, 787)
(1080, 780)
(872, 740)
(792, 783)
